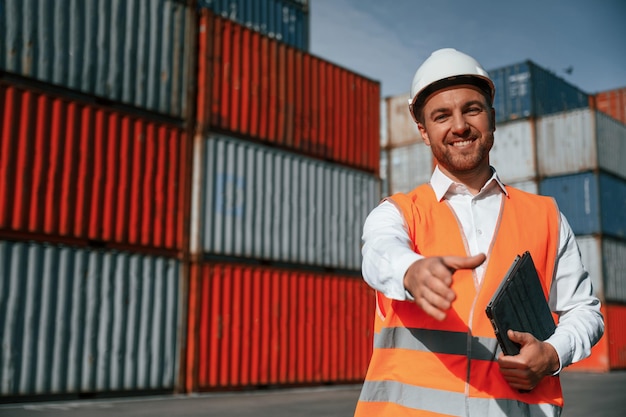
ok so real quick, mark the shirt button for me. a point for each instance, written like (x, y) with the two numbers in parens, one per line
(480, 232)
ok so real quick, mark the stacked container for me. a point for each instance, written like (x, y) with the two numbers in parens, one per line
(95, 177)
(550, 141)
(182, 193)
(285, 170)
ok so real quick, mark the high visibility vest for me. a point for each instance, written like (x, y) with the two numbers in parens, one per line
(423, 367)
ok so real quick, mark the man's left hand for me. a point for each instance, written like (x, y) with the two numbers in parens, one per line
(535, 360)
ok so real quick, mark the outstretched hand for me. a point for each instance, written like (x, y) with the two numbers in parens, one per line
(429, 281)
(535, 360)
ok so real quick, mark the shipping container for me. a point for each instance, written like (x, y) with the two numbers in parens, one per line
(409, 166)
(255, 201)
(284, 20)
(593, 202)
(252, 326)
(527, 90)
(513, 154)
(257, 88)
(384, 173)
(580, 140)
(605, 259)
(613, 103)
(76, 320)
(609, 353)
(530, 186)
(401, 128)
(92, 173)
(136, 52)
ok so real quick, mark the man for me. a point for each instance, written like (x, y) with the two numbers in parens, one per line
(436, 255)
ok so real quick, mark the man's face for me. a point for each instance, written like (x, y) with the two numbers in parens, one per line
(458, 126)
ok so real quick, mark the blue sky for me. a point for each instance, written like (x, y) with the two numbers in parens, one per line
(387, 39)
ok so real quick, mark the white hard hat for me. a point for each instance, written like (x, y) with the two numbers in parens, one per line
(446, 67)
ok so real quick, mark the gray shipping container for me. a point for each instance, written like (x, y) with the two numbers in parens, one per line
(258, 202)
(605, 259)
(75, 320)
(136, 52)
(580, 140)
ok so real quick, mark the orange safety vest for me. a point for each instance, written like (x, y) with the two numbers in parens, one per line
(423, 367)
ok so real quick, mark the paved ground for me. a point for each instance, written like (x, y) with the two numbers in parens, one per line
(586, 395)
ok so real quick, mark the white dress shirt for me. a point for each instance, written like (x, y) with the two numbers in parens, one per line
(387, 255)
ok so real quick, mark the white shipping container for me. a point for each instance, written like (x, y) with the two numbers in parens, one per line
(530, 186)
(401, 128)
(258, 202)
(580, 140)
(409, 166)
(513, 152)
(591, 254)
(605, 259)
(80, 320)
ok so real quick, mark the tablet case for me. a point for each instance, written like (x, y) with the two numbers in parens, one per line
(519, 304)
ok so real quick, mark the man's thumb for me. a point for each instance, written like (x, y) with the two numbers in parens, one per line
(464, 262)
(521, 338)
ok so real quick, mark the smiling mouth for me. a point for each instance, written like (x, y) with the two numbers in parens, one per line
(462, 143)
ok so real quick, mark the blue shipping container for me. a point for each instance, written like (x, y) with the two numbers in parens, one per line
(284, 20)
(594, 203)
(135, 52)
(527, 90)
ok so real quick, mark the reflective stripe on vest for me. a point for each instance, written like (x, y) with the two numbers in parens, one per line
(447, 403)
(437, 341)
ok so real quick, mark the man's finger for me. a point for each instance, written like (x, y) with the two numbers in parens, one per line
(463, 262)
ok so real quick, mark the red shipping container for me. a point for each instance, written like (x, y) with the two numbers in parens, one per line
(255, 87)
(610, 352)
(77, 171)
(251, 325)
(613, 103)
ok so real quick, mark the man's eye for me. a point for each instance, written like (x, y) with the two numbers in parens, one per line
(474, 110)
(440, 117)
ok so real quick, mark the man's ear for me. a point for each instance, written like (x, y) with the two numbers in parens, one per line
(424, 133)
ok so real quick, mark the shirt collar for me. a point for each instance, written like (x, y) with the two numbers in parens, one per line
(441, 183)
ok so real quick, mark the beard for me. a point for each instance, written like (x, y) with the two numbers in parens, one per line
(463, 160)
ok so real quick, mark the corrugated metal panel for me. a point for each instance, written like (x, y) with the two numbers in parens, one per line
(77, 320)
(527, 90)
(513, 152)
(254, 325)
(611, 142)
(614, 256)
(255, 201)
(591, 253)
(616, 323)
(146, 61)
(592, 202)
(577, 197)
(96, 173)
(580, 140)
(613, 103)
(410, 166)
(255, 87)
(566, 143)
(384, 173)
(284, 20)
(531, 186)
(401, 128)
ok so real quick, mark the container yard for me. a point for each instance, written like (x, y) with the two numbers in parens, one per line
(182, 198)
(198, 177)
